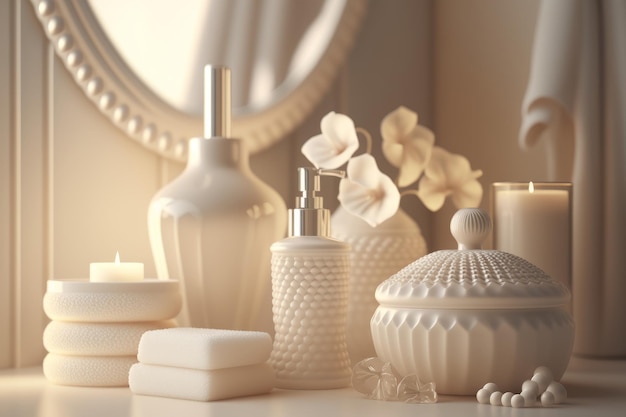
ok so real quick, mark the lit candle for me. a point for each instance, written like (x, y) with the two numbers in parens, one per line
(533, 221)
(115, 271)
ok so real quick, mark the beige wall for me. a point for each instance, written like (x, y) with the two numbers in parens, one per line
(74, 189)
(481, 64)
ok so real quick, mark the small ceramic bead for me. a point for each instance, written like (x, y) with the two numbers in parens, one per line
(483, 396)
(543, 377)
(547, 399)
(531, 387)
(491, 387)
(506, 399)
(517, 401)
(530, 398)
(542, 380)
(558, 390)
(495, 398)
(544, 370)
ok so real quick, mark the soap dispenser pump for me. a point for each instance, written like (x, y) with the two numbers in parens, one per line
(310, 272)
(212, 227)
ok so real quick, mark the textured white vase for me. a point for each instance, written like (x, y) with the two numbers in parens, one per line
(377, 253)
(310, 272)
(310, 293)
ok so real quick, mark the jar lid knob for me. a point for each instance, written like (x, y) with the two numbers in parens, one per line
(470, 227)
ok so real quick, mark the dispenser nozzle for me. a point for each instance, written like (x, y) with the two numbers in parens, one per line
(309, 217)
(216, 101)
(309, 185)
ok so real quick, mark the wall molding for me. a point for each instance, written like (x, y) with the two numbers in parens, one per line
(30, 191)
(15, 136)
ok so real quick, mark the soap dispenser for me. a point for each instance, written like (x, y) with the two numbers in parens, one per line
(310, 272)
(212, 227)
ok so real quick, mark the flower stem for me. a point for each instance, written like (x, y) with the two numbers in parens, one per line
(409, 192)
(368, 139)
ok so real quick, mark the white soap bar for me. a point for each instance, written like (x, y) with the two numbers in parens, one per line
(205, 349)
(200, 385)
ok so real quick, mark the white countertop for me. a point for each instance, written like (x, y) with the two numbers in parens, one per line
(596, 388)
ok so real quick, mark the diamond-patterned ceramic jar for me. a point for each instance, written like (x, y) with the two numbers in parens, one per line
(466, 317)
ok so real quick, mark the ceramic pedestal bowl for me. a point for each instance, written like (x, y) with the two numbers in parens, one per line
(467, 317)
(76, 300)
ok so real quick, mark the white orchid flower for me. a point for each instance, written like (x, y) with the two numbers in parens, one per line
(406, 145)
(335, 145)
(449, 174)
(367, 192)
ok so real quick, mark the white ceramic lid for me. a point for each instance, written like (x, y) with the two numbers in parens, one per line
(471, 278)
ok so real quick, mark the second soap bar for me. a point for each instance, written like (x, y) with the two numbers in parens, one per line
(204, 349)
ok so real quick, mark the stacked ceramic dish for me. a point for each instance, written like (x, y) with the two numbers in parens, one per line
(461, 318)
(95, 330)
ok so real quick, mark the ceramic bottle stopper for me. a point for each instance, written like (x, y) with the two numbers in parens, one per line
(310, 295)
(470, 228)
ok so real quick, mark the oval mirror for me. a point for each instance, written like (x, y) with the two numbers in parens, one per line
(141, 61)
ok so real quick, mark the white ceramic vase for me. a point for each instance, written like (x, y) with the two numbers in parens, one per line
(211, 228)
(377, 253)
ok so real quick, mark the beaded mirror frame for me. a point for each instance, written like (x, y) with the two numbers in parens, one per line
(96, 66)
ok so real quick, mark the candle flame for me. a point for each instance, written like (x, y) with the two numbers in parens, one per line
(531, 187)
(117, 257)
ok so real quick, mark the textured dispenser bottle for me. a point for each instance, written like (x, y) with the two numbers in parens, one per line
(310, 273)
(212, 227)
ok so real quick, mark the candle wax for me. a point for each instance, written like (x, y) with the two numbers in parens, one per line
(536, 226)
(115, 271)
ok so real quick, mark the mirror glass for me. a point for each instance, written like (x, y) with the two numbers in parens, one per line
(167, 43)
(142, 61)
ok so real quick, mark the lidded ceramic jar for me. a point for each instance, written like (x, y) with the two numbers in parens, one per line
(462, 318)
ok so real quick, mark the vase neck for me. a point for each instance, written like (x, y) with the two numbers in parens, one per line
(218, 152)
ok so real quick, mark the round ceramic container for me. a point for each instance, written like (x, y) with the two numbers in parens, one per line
(86, 301)
(466, 317)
